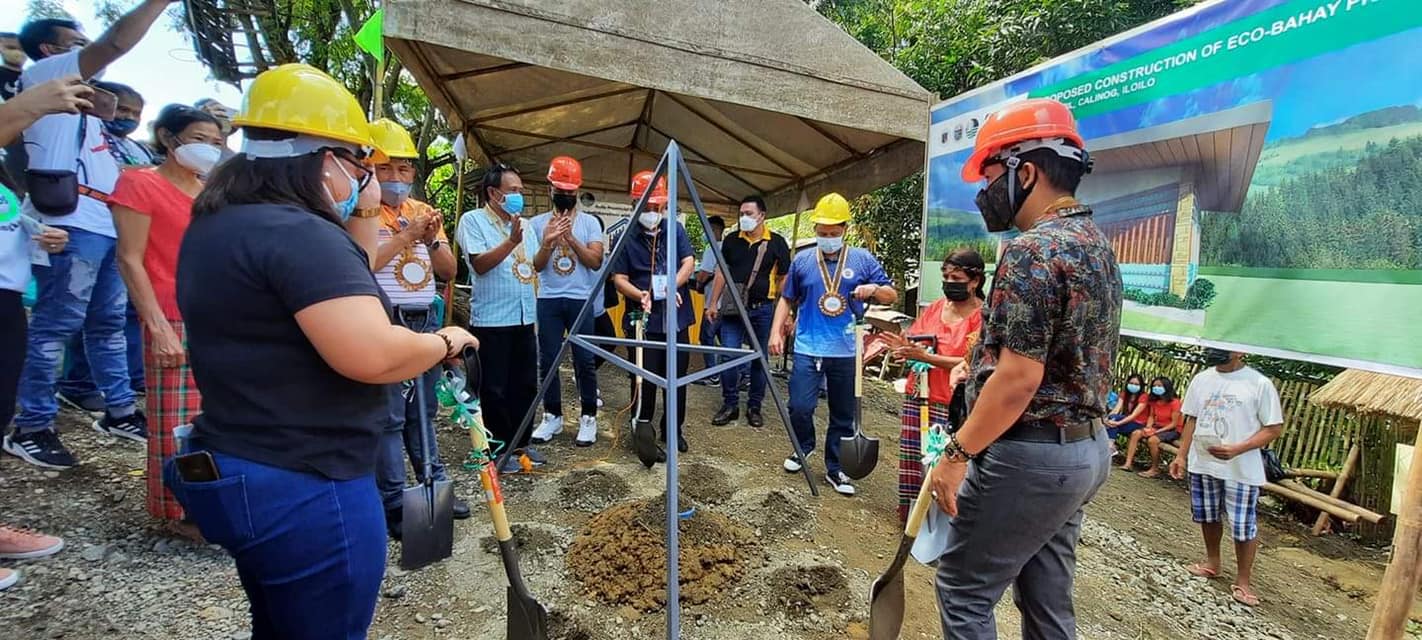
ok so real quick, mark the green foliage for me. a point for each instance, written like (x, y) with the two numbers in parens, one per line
(1364, 216)
(1200, 294)
(1192, 359)
(889, 220)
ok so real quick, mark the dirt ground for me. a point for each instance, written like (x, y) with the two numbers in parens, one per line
(793, 566)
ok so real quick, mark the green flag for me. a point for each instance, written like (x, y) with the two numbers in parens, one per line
(369, 36)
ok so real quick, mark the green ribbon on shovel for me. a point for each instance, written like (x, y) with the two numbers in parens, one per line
(937, 442)
(450, 389)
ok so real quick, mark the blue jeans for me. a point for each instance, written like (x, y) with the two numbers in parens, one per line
(78, 382)
(733, 336)
(805, 379)
(555, 319)
(709, 335)
(401, 436)
(80, 290)
(310, 551)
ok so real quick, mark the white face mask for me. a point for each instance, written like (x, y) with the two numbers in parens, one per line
(198, 157)
(749, 223)
(650, 219)
(830, 245)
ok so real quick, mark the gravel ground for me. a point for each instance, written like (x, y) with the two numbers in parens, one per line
(120, 577)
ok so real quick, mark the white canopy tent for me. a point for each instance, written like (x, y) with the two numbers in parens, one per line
(764, 96)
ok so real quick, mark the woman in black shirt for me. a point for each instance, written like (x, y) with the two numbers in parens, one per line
(290, 342)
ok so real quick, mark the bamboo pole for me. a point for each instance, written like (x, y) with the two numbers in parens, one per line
(1313, 473)
(1339, 484)
(1399, 584)
(1367, 514)
(1345, 515)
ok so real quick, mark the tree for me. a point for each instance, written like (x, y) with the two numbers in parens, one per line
(318, 33)
(952, 47)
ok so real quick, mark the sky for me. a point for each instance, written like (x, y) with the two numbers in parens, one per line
(162, 67)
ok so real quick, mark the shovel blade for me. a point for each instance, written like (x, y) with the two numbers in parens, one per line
(858, 455)
(644, 441)
(528, 620)
(886, 597)
(427, 527)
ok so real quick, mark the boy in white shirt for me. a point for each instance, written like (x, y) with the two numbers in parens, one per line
(1232, 411)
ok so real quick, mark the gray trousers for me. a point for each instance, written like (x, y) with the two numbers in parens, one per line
(1019, 517)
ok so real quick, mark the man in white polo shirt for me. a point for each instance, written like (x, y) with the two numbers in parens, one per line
(412, 251)
(79, 287)
(568, 257)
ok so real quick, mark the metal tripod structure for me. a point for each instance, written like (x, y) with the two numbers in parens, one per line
(672, 167)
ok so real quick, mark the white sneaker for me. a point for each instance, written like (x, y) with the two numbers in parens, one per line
(599, 398)
(793, 464)
(552, 425)
(587, 431)
(840, 482)
(8, 578)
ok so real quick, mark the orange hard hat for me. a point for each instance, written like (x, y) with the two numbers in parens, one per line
(565, 173)
(1040, 122)
(639, 186)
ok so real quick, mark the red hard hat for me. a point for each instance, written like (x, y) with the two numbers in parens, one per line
(639, 186)
(1028, 120)
(565, 173)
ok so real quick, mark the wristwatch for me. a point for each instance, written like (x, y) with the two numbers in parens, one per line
(954, 451)
(434, 246)
(366, 213)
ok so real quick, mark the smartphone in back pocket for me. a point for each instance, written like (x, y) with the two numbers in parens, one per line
(197, 467)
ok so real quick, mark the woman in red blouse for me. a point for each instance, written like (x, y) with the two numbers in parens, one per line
(1163, 423)
(152, 208)
(954, 321)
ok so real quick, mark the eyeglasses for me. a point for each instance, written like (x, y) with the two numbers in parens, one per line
(365, 173)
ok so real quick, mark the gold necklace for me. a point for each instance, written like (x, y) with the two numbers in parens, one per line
(522, 269)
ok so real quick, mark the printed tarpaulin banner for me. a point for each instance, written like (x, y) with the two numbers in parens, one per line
(1258, 168)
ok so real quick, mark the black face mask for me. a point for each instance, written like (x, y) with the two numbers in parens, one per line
(956, 291)
(1216, 357)
(564, 201)
(1001, 200)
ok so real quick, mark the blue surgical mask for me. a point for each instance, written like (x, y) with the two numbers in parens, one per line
(513, 203)
(830, 245)
(1133, 388)
(1157, 391)
(121, 127)
(394, 193)
(345, 208)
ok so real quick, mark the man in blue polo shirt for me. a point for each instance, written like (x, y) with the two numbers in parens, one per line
(639, 274)
(826, 290)
(499, 248)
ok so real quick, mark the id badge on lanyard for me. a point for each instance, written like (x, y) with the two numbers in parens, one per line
(659, 287)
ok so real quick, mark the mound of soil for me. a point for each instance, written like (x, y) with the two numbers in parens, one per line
(562, 627)
(591, 489)
(530, 541)
(705, 484)
(620, 556)
(799, 591)
(779, 515)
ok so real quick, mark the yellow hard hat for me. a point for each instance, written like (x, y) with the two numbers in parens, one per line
(301, 99)
(831, 209)
(393, 139)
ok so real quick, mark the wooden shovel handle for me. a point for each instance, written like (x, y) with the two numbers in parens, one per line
(920, 508)
(858, 359)
(488, 477)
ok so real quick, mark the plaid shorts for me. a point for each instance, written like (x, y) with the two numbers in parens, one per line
(910, 457)
(1208, 494)
(172, 400)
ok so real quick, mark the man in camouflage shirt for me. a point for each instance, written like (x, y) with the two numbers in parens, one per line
(1032, 451)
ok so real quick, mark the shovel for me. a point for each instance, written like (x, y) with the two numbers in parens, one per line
(527, 619)
(858, 454)
(886, 597)
(427, 530)
(644, 434)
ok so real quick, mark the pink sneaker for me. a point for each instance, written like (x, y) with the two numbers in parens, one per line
(22, 544)
(8, 578)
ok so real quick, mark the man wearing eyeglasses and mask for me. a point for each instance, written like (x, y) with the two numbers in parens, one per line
(569, 254)
(412, 252)
(499, 247)
(1032, 450)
